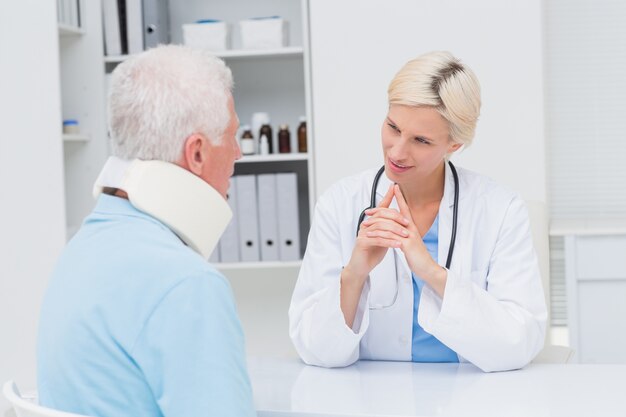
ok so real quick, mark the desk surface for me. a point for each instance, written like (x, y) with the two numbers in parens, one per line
(288, 387)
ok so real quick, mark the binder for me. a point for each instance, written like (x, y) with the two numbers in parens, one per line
(288, 220)
(73, 16)
(121, 12)
(229, 242)
(268, 225)
(155, 23)
(112, 39)
(134, 26)
(247, 210)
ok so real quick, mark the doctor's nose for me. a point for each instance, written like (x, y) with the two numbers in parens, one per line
(398, 151)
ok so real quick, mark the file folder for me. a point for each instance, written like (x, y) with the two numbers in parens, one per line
(229, 242)
(134, 25)
(155, 23)
(247, 210)
(288, 218)
(268, 216)
(112, 36)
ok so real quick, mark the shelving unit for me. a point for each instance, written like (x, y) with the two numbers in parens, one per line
(232, 54)
(67, 30)
(257, 265)
(75, 138)
(281, 157)
(274, 81)
(83, 99)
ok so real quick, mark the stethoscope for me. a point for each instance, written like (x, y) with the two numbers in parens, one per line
(455, 212)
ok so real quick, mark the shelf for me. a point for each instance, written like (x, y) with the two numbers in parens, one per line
(259, 53)
(280, 157)
(234, 54)
(68, 30)
(75, 138)
(257, 265)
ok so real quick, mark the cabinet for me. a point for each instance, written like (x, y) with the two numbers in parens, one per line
(273, 81)
(595, 275)
(82, 98)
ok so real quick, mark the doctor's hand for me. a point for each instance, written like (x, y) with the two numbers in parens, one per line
(369, 250)
(371, 247)
(399, 226)
(415, 251)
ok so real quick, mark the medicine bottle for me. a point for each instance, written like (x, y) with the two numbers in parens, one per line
(247, 141)
(284, 139)
(302, 135)
(264, 147)
(266, 130)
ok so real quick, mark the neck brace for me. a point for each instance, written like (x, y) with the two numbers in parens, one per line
(186, 204)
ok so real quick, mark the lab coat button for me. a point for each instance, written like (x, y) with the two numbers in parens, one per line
(403, 340)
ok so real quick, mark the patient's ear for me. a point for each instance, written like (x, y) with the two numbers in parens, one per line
(195, 153)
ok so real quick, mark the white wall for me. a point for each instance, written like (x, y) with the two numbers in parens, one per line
(32, 214)
(358, 45)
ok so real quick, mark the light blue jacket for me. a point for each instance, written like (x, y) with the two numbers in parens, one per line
(135, 323)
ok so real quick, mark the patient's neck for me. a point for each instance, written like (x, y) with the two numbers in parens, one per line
(115, 192)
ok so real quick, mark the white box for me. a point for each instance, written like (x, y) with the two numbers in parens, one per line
(264, 33)
(212, 35)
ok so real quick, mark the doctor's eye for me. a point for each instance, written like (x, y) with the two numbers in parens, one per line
(422, 140)
(394, 127)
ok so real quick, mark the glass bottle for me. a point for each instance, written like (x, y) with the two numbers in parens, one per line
(302, 147)
(264, 147)
(284, 139)
(266, 130)
(247, 141)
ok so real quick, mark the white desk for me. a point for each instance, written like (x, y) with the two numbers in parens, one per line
(289, 388)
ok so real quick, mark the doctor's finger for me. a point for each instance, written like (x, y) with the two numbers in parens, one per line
(387, 213)
(386, 225)
(385, 234)
(366, 242)
(402, 205)
(386, 201)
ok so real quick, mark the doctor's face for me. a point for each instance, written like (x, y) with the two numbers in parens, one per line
(415, 142)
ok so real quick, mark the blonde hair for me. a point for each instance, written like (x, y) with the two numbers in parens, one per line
(160, 97)
(440, 81)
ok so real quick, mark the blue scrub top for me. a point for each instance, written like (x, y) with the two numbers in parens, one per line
(426, 347)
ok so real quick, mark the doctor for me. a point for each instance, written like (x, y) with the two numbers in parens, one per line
(442, 268)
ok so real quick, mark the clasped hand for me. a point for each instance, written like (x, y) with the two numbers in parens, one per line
(389, 228)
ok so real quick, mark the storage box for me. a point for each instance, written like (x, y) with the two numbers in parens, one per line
(264, 33)
(213, 35)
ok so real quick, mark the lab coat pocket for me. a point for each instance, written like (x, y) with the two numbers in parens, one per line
(479, 277)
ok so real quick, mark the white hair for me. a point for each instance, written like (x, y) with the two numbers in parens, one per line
(160, 97)
(440, 81)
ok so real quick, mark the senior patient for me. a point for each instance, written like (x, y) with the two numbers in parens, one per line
(135, 321)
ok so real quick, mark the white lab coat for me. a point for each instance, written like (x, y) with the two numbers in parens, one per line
(493, 313)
